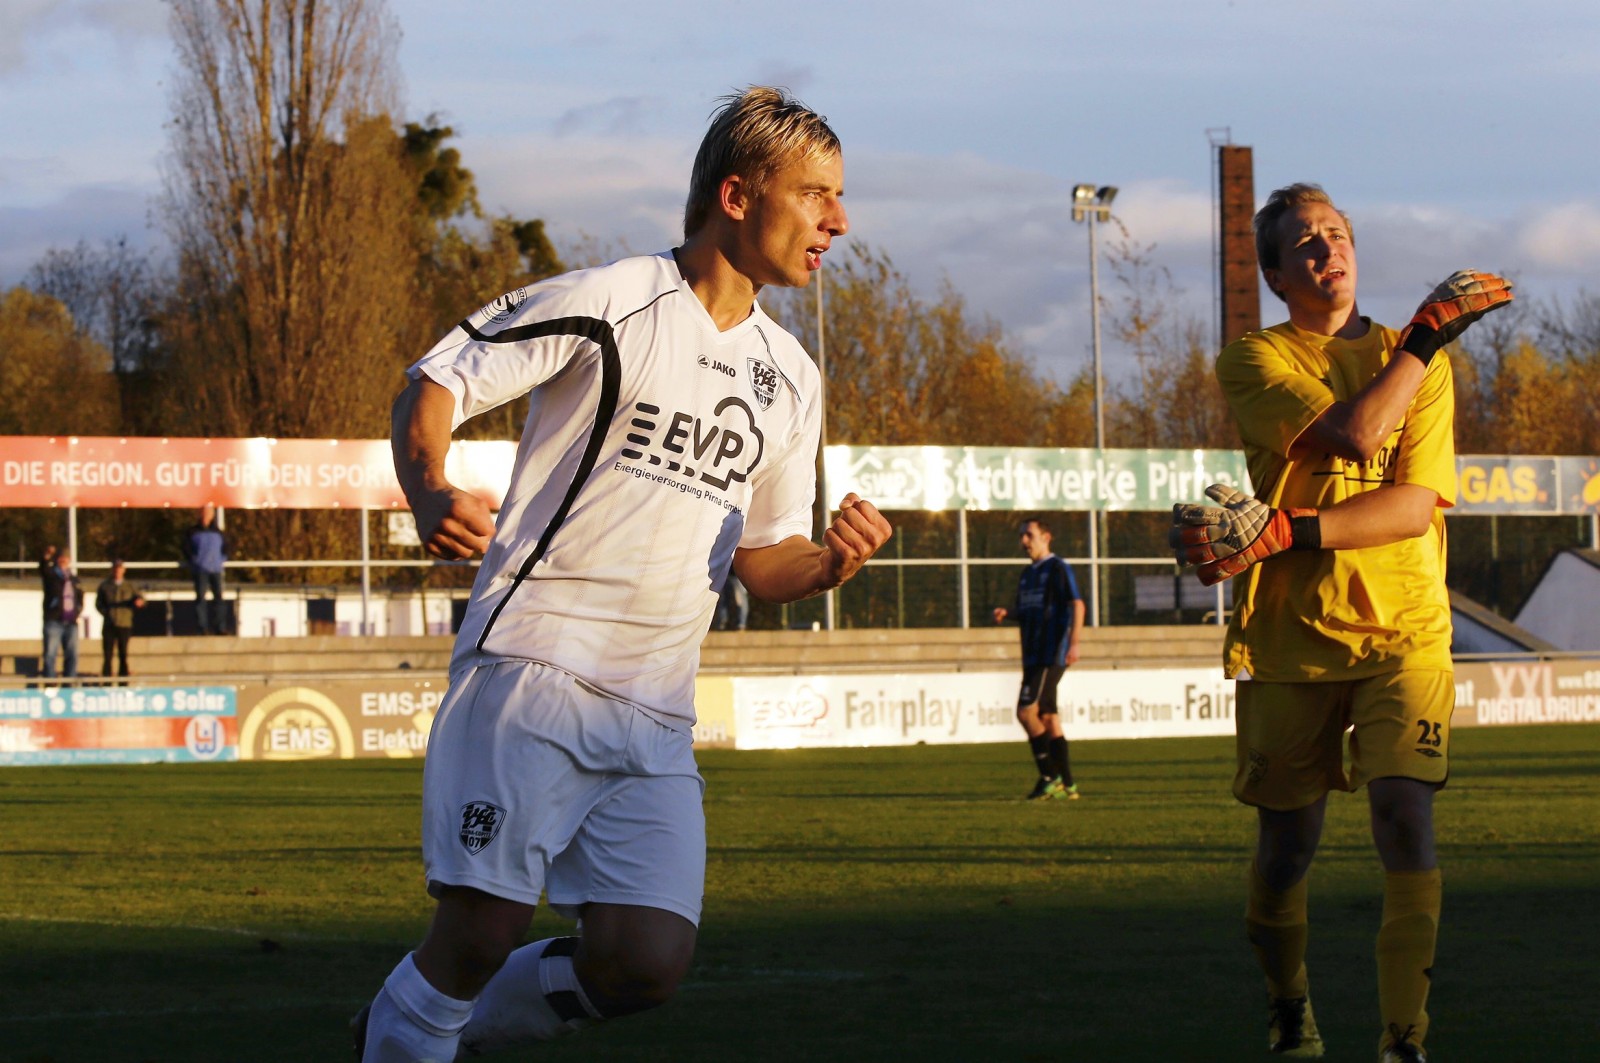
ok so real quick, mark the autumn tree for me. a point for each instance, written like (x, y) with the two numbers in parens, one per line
(905, 371)
(56, 376)
(58, 381)
(465, 258)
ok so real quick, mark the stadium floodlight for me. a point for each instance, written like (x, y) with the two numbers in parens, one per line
(1093, 204)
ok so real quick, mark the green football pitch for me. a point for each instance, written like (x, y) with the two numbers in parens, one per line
(884, 904)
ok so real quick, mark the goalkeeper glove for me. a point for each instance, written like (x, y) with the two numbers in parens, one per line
(1457, 302)
(1225, 541)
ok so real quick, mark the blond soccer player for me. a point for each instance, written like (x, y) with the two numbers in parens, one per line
(1342, 618)
(672, 437)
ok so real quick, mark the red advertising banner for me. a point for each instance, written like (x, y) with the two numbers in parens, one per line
(111, 473)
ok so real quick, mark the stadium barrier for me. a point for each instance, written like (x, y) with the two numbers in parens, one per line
(347, 717)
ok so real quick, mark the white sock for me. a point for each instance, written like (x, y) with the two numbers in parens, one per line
(412, 1022)
(534, 997)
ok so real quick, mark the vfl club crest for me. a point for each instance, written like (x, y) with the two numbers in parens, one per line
(480, 822)
(763, 381)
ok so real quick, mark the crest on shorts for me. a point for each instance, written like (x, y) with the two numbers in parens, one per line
(763, 381)
(1258, 766)
(480, 822)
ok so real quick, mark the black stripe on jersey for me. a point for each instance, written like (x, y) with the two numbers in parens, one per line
(603, 335)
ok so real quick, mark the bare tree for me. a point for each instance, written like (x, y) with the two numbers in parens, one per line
(1172, 399)
(288, 203)
(289, 206)
(110, 291)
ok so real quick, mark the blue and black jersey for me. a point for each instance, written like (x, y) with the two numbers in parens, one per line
(1045, 594)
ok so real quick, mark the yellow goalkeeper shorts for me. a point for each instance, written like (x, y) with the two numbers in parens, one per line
(1290, 740)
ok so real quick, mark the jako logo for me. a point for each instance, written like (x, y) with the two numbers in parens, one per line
(721, 367)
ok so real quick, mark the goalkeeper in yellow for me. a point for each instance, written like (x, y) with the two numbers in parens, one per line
(1342, 620)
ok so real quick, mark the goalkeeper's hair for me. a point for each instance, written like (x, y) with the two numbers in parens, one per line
(754, 134)
(1280, 202)
(1038, 522)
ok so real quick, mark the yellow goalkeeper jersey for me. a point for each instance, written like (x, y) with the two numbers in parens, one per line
(1337, 614)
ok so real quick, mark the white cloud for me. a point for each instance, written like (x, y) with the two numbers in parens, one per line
(91, 213)
(1564, 237)
(34, 25)
(620, 116)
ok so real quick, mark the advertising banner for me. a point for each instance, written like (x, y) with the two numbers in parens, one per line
(1500, 484)
(788, 712)
(342, 719)
(117, 725)
(337, 719)
(1504, 693)
(1028, 478)
(110, 472)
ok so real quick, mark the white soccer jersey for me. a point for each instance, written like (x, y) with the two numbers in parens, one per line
(654, 445)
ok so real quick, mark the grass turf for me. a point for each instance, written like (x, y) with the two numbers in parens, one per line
(878, 904)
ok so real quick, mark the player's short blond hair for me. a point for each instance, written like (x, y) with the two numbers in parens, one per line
(1280, 202)
(754, 134)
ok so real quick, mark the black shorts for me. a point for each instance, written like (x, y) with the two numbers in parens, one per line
(1039, 684)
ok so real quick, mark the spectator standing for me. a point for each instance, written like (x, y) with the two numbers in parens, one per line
(116, 599)
(205, 552)
(63, 604)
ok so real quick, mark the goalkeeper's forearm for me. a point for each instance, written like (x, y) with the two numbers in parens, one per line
(1378, 518)
(1355, 429)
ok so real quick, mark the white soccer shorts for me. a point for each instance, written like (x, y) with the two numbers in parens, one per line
(535, 781)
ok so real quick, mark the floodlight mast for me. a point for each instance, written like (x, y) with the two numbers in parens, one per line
(1092, 204)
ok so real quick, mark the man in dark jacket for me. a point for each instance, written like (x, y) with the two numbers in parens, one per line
(116, 599)
(63, 604)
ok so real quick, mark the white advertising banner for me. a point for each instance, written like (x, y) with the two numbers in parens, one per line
(817, 711)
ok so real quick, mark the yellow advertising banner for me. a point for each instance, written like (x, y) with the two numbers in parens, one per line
(342, 719)
(337, 719)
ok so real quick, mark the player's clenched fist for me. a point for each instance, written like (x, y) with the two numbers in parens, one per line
(1458, 301)
(854, 536)
(1241, 531)
(453, 524)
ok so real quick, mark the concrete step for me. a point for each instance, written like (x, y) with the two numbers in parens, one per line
(949, 649)
(226, 655)
(723, 652)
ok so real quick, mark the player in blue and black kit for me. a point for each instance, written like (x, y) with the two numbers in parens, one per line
(1050, 611)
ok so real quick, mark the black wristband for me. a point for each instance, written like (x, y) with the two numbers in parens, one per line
(1422, 343)
(1306, 532)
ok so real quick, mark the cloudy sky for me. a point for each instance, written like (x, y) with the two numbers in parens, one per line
(1454, 135)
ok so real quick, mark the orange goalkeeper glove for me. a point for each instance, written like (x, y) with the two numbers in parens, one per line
(1457, 302)
(1243, 531)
